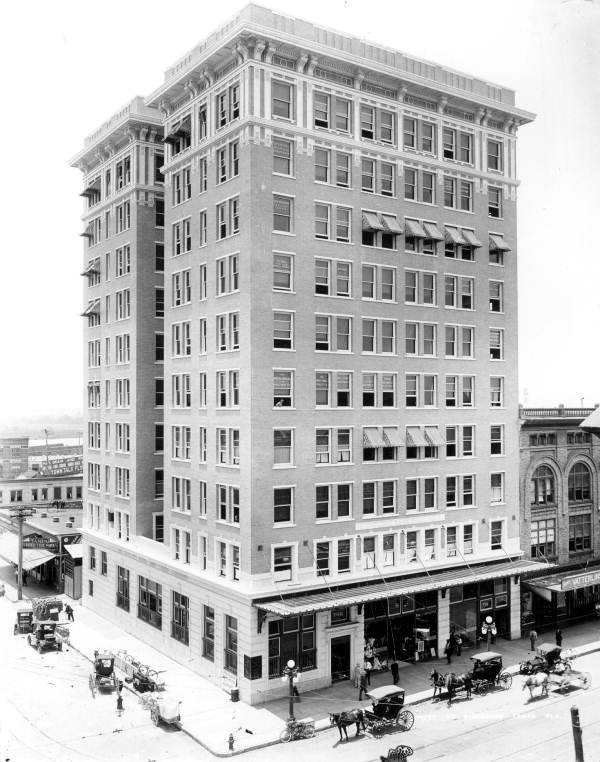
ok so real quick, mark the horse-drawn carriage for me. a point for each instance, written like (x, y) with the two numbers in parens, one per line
(552, 666)
(103, 677)
(487, 673)
(563, 676)
(546, 656)
(388, 712)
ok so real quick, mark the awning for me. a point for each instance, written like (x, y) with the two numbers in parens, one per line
(182, 128)
(415, 437)
(9, 550)
(324, 600)
(92, 268)
(497, 242)
(372, 438)
(592, 422)
(93, 189)
(433, 232)
(453, 236)
(93, 307)
(564, 581)
(471, 238)
(414, 229)
(371, 221)
(392, 437)
(391, 224)
(432, 433)
(75, 549)
(88, 232)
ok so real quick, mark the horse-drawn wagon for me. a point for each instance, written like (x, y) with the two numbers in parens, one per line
(103, 677)
(388, 710)
(546, 656)
(487, 672)
(563, 676)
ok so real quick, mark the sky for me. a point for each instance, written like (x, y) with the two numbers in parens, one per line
(68, 65)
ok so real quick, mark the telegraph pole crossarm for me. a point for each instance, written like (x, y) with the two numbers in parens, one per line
(19, 513)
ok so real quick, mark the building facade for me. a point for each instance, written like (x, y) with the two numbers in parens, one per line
(560, 525)
(340, 354)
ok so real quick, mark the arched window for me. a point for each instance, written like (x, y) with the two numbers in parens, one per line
(580, 483)
(543, 486)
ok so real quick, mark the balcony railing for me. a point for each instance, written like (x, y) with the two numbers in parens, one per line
(123, 601)
(306, 661)
(180, 633)
(555, 412)
(152, 617)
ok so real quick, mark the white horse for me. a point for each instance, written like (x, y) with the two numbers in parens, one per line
(539, 680)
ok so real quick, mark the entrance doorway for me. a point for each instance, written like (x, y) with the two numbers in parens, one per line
(340, 658)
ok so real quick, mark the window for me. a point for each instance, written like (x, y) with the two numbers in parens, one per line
(94, 356)
(292, 638)
(420, 287)
(333, 446)
(283, 163)
(159, 302)
(122, 437)
(208, 633)
(282, 563)
(496, 296)
(456, 245)
(159, 394)
(123, 304)
(228, 162)
(332, 222)
(123, 217)
(283, 447)
(283, 391)
(379, 283)
(419, 135)
(377, 124)
(495, 158)
(182, 237)
(580, 533)
(182, 186)
(92, 557)
(150, 602)
(457, 145)
(159, 483)
(369, 553)
(459, 292)
(202, 445)
(123, 392)
(332, 277)
(542, 440)
(495, 203)
(228, 105)
(122, 261)
(283, 272)
(333, 502)
(203, 170)
(496, 535)
(123, 172)
(460, 441)
(282, 99)
(228, 388)
(180, 616)
(330, 112)
(228, 447)
(378, 336)
(228, 331)
(159, 437)
(379, 498)
(420, 339)
(283, 330)
(543, 538)
(202, 123)
(380, 230)
(123, 588)
(283, 505)
(496, 391)
(379, 390)
(228, 504)
(496, 344)
(496, 440)
(182, 341)
(181, 288)
(228, 218)
(333, 333)
(333, 389)
(419, 185)
(580, 483)
(421, 390)
(579, 438)
(459, 341)
(421, 494)
(542, 483)
(122, 482)
(181, 439)
(467, 539)
(497, 488)
(159, 257)
(228, 279)
(458, 194)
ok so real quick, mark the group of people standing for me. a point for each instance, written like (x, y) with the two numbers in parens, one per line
(453, 645)
(533, 636)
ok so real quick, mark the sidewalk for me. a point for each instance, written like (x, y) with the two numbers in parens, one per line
(209, 716)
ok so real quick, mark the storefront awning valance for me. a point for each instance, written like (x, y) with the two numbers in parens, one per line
(372, 437)
(564, 581)
(433, 232)
(75, 549)
(324, 600)
(9, 551)
(453, 236)
(497, 243)
(414, 229)
(415, 437)
(471, 239)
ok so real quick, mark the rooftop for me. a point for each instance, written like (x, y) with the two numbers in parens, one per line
(561, 412)
(54, 521)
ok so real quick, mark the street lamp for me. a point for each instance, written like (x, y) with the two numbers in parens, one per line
(488, 628)
(290, 673)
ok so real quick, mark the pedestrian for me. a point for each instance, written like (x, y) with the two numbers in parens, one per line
(368, 668)
(533, 636)
(458, 642)
(362, 685)
(394, 671)
(558, 638)
(120, 707)
(295, 692)
(69, 613)
(448, 651)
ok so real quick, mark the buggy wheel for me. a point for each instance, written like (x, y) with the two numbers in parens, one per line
(29, 639)
(482, 689)
(285, 735)
(405, 720)
(377, 729)
(586, 680)
(309, 731)
(505, 680)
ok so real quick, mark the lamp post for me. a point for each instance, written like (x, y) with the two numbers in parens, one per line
(488, 628)
(290, 673)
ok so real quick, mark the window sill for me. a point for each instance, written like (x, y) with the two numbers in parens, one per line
(284, 232)
(281, 174)
(283, 466)
(283, 524)
(335, 465)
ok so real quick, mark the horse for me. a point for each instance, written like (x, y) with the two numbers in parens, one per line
(539, 680)
(438, 682)
(454, 682)
(342, 719)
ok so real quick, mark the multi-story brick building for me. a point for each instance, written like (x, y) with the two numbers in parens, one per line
(340, 396)
(559, 483)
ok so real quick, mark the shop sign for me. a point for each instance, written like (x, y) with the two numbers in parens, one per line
(339, 616)
(62, 466)
(40, 543)
(581, 580)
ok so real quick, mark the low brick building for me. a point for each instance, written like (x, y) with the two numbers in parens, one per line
(560, 522)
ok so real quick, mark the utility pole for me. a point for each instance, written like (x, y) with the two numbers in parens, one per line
(46, 433)
(577, 733)
(19, 514)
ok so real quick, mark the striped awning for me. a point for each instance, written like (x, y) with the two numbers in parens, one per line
(325, 600)
(392, 437)
(371, 221)
(93, 267)
(471, 238)
(372, 437)
(91, 308)
(391, 224)
(184, 127)
(88, 232)
(93, 189)
(433, 232)
(414, 229)
(453, 236)
(498, 243)
(432, 433)
(415, 437)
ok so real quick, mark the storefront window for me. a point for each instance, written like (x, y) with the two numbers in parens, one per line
(292, 638)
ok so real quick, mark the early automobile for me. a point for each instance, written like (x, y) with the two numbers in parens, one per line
(388, 710)
(43, 636)
(23, 622)
(103, 677)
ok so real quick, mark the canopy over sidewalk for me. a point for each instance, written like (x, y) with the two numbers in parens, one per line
(9, 550)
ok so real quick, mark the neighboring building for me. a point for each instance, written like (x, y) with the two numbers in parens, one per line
(340, 355)
(13, 456)
(560, 525)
